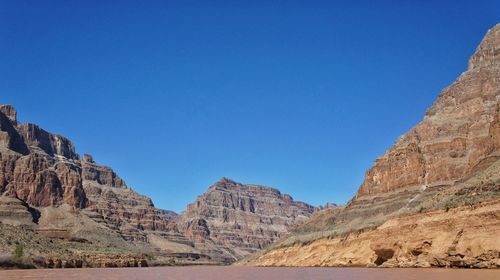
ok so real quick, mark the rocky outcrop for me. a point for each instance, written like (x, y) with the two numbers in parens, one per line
(103, 175)
(9, 137)
(431, 199)
(50, 173)
(40, 180)
(40, 168)
(487, 54)
(10, 112)
(240, 219)
(128, 212)
(461, 237)
(42, 141)
(45, 186)
(54, 249)
(460, 130)
(16, 212)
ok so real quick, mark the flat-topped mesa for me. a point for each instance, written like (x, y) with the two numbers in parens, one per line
(252, 189)
(238, 219)
(9, 111)
(228, 184)
(488, 52)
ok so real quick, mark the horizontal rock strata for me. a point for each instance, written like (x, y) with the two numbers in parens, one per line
(239, 219)
(450, 161)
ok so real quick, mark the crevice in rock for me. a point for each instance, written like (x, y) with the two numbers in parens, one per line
(35, 214)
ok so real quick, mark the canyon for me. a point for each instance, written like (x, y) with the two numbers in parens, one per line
(431, 200)
(80, 213)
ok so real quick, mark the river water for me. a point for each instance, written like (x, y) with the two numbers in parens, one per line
(250, 273)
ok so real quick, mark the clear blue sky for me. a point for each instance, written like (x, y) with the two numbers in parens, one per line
(298, 95)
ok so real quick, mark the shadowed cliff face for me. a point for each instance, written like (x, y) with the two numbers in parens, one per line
(239, 219)
(9, 136)
(450, 160)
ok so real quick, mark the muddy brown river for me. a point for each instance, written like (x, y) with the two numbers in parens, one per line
(249, 273)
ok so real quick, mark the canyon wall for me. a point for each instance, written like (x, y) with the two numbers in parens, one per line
(431, 199)
(46, 187)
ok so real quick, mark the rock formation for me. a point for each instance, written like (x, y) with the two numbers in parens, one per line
(46, 187)
(401, 214)
(461, 237)
(40, 168)
(431, 200)
(239, 219)
(46, 171)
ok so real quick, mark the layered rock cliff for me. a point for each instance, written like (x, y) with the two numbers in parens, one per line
(459, 130)
(39, 168)
(448, 163)
(237, 219)
(430, 200)
(46, 187)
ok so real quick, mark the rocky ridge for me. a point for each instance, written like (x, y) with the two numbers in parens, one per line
(48, 189)
(451, 159)
(240, 219)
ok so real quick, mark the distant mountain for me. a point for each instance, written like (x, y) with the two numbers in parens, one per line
(234, 219)
(433, 199)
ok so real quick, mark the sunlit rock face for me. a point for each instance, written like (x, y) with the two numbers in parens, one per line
(41, 169)
(50, 188)
(432, 199)
(38, 167)
(461, 129)
(240, 219)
